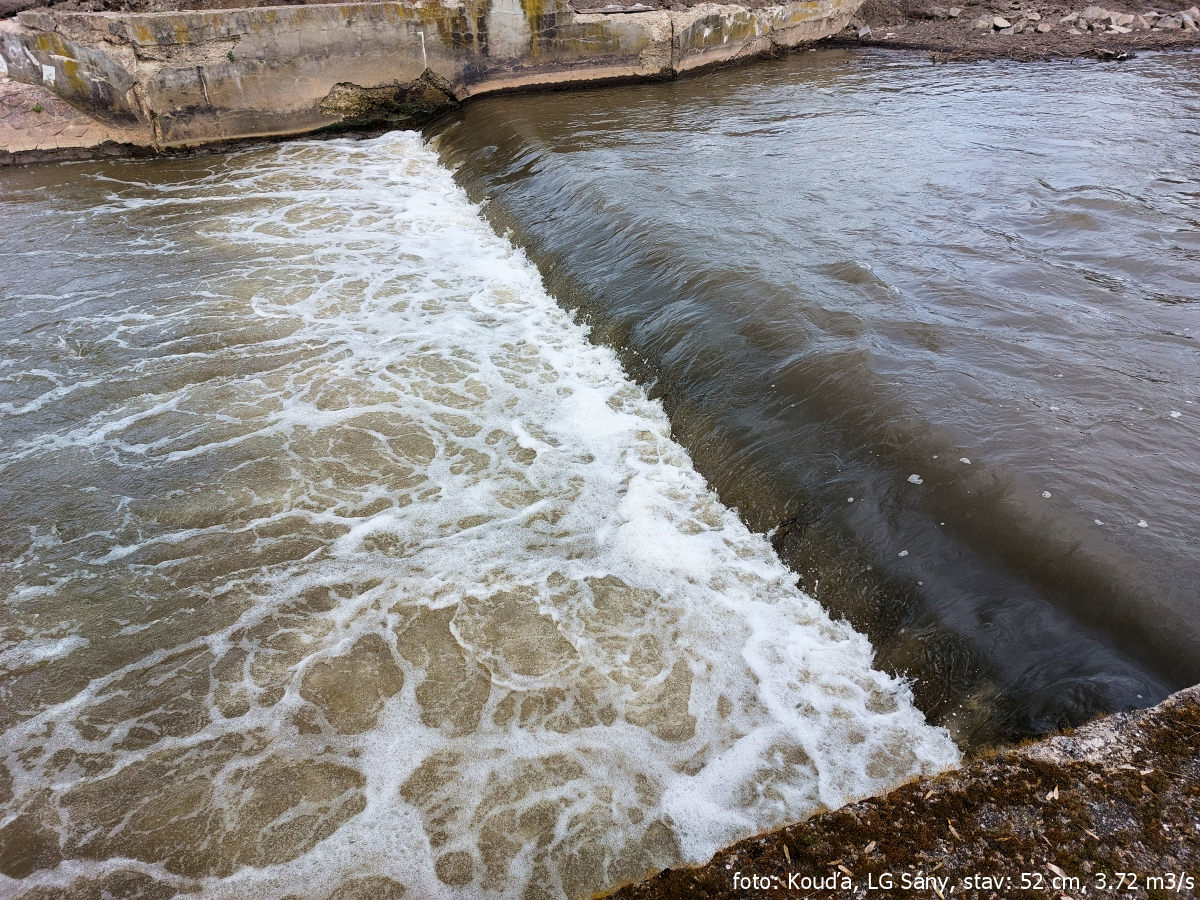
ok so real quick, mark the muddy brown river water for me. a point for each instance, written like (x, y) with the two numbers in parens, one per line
(339, 560)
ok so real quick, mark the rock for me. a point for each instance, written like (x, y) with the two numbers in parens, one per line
(417, 102)
(1189, 21)
(864, 32)
(1093, 14)
(938, 12)
(1139, 23)
(1119, 29)
(985, 22)
(954, 12)
(1008, 30)
(1033, 16)
(1000, 23)
(1075, 31)
(1122, 19)
(1068, 19)
(1168, 23)
(1044, 28)
(1019, 28)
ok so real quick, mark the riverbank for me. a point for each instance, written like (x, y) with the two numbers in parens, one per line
(1120, 795)
(189, 78)
(1023, 31)
(109, 77)
(36, 125)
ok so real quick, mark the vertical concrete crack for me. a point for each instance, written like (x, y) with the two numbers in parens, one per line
(674, 66)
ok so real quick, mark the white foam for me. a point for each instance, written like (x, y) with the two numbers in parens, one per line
(38, 650)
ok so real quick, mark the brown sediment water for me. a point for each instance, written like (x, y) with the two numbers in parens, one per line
(933, 328)
(336, 562)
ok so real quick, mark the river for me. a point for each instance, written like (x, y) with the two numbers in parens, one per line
(344, 554)
(338, 562)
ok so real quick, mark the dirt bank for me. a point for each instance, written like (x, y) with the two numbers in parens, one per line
(1121, 795)
(1024, 29)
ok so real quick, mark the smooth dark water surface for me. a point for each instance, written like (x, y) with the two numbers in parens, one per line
(847, 275)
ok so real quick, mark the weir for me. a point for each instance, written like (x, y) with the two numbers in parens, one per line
(368, 573)
(343, 562)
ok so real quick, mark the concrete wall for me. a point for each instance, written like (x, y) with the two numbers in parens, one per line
(192, 77)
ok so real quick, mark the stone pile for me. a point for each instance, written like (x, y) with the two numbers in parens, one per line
(1098, 19)
(1027, 21)
(1094, 18)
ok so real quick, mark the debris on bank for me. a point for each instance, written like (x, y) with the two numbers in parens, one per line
(1113, 808)
(1018, 29)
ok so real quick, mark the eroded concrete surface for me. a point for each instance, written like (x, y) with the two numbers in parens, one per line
(193, 77)
(37, 124)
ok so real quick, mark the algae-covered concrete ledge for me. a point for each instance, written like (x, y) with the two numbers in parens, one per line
(1111, 809)
(177, 79)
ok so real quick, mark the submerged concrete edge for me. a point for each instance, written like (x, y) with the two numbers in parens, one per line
(190, 78)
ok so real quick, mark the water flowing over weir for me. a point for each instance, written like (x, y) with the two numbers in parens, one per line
(336, 559)
(932, 331)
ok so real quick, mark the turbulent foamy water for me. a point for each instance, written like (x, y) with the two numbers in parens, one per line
(335, 560)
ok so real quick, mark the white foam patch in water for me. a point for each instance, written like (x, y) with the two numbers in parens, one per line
(38, 650)
(414, 587)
